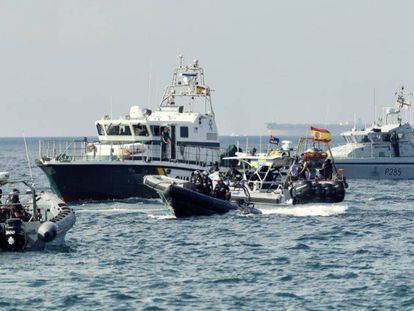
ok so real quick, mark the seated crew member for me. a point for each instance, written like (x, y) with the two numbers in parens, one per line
(197, 180)
(207, 184)
(222, 191)
(165, 141)
(4, 211)
(327, 169)
(214, 168)
(16, 208)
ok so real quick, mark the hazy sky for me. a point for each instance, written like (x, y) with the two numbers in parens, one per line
(287, 61)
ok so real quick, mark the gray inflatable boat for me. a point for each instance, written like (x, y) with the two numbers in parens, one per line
(36, 221)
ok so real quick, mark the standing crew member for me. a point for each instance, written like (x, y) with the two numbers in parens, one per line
(327, 169)
(394, 139)
(165, 141)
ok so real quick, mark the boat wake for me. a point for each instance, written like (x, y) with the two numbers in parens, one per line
(323, 210)
(162, 217)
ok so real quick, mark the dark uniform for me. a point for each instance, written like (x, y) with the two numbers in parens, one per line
(165, 141)
(327, 169)
(222, 191)
(207, 184)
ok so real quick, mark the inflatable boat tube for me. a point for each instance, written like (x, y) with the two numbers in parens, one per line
(187, 203)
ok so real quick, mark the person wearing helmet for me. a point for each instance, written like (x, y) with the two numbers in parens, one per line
(16, 208)
(222, 191)
(197, 180)
(215, 167)
(207, 184)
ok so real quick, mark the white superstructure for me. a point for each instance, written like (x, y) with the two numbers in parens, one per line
(186, 110)
(384, 150)
(137, 144)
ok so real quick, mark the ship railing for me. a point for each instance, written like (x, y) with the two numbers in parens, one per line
(371, 150)
(84, 150)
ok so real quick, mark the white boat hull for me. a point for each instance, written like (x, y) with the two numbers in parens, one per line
(381, 168)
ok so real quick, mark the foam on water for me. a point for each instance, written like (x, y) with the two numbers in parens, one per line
(162, 217)
(126, 255)
(323, 210)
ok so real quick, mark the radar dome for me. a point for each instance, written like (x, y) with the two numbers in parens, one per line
(135, 112)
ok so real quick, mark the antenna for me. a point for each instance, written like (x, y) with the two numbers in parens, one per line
(181, 58)
(110, 104)
(355, 125)
(27, 157)
(375, 108)
(149, 84)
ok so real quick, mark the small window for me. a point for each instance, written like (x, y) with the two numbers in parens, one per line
(140, 130)
(118, 130)
(100, 129)
(184, 131)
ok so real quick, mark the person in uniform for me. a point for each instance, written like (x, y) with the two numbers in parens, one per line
(304, 171)
(4, 211)
(165, 141)
(327, 169)
(222, 191)
(214, 168)
(15, 207)
(197, 180)
(207, 184)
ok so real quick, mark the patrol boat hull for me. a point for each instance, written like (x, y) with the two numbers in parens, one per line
(98, 181)
(381, 168)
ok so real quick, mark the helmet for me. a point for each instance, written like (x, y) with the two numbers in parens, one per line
(14, 192)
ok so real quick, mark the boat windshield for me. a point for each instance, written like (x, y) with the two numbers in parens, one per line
(356, 138)
(140, 130)
(118, 129)
(100, 129)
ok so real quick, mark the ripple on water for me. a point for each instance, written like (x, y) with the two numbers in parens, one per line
(133, 254)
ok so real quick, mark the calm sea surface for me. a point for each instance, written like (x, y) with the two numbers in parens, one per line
(133, 255)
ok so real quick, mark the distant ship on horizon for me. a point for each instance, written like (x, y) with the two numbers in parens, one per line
(298, 129)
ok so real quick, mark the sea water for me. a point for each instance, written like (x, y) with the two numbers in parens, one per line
(134, 255)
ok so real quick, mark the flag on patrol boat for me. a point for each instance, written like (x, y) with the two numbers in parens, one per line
(201, 89)
(322, 135)
(273, 140)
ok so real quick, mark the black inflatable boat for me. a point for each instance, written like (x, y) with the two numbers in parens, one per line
(186, 202)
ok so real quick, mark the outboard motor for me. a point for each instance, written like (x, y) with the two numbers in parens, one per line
(339, 189)
(318, 191)
(48, 231)
(329, 192)
(302, 192)
(14, 237)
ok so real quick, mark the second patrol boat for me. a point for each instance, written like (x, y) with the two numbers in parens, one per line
(179, 137)
(383, 151)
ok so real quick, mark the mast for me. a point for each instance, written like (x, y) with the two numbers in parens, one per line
(188, 88)
(375, 108)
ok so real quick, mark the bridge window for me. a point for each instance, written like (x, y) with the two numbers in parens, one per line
(140, 130)
(100, 129)
(118, 130)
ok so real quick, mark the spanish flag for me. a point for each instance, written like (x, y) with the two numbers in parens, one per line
(200, 89)
(321, 135)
